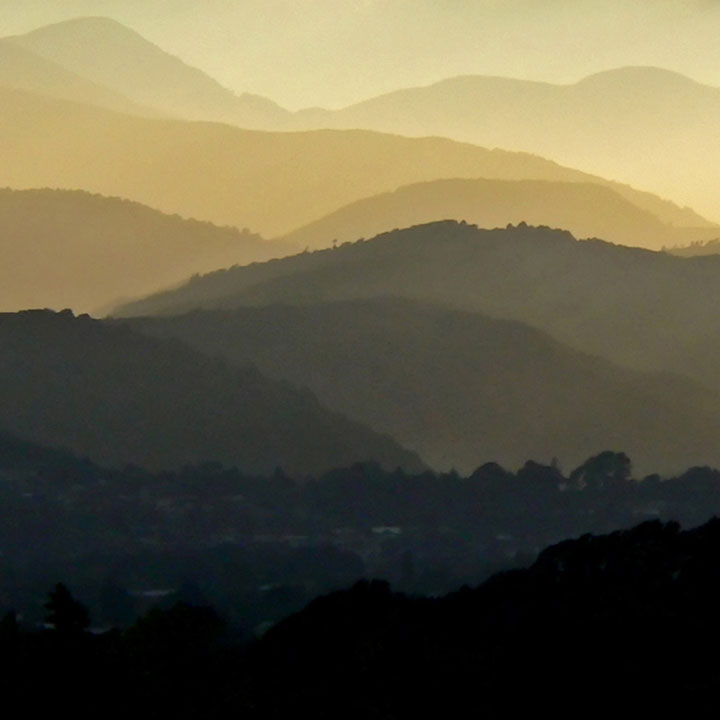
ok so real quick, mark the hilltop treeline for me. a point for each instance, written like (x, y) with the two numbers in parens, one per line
(260, 547)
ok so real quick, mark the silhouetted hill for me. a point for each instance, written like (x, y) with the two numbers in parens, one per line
(641, 125)
(70, 249)
(24, 70)
(596, 624)
(119, 58)
(618, 625)
(462, 389)
(585, 209)
(647, 310)
(271, 182)
(120, 398)
(28, 459)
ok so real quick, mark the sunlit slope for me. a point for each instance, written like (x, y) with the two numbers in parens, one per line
(645, 126)
(119, 58)
(24, 70)
(462, 389)
(648, 310)
(270, 182)
(122, 398)
(69, 249)
(585, 209)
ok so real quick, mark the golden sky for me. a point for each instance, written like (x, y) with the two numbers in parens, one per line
(335, 52)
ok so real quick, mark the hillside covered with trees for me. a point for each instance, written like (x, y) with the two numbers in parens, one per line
(642, 309)
(623, 620)
(122, 398)
(461, 388)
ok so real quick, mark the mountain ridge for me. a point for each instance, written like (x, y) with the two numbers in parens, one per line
(462, 388)
(602, 106)
(609, 124)
(585, 209)
(71, 249)
(272, 182)
(639, 308)
(122, 398)
(24, 70)
(118, 57)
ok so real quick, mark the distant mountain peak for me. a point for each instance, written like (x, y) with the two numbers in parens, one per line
(68, 42)
(641, 74)
(118, 57)
(635, 73)
(610, 124)
(92, 23)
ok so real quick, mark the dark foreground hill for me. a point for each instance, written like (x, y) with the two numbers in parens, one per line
(460, 388)
(647, 310)
(622, 621)
(66, 249)
(122, 398)
(623, 625)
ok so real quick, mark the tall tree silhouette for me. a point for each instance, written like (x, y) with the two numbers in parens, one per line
(65, 613)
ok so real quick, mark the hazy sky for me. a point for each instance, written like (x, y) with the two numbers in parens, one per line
(334, 52)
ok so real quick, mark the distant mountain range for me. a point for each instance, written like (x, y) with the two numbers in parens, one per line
(90, 106)
(113, 56)
(70, 249)
(305, 189)
(100, 62)
(270, 182)
(460, 388)
(640, 125)
(121, 398)
(22, 69)
(587, 210)
(642, 309)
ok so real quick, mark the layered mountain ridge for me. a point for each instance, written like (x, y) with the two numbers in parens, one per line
(587, 210)
(122, 398)
(70, 249)
(270, 182)
(114, 56)
(612, 124)
(460, 388)
(642, 309)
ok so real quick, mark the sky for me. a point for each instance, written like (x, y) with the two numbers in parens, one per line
(332, 53)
